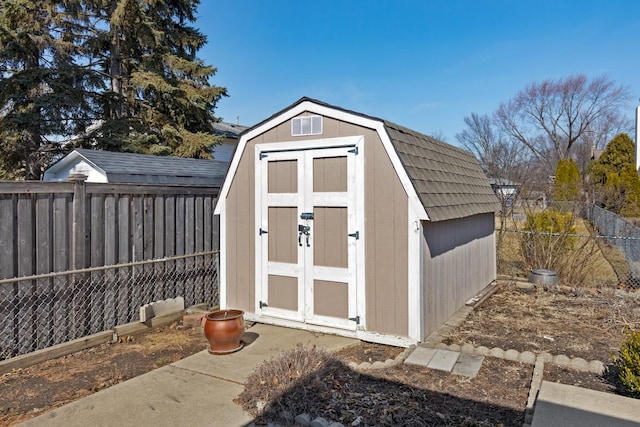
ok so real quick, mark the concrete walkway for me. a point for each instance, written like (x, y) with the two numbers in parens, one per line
(195, 391)
(570, 406)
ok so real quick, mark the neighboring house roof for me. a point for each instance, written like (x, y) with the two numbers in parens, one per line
(228, 130)
(503, 182)
(447, 180)
(146, 169)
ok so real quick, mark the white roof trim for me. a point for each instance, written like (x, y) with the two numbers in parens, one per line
(333, 113)
(70, 158)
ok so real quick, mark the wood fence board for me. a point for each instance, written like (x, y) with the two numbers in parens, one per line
(189, 226)
(124, 227)
(110, 229)
(8, 228)
(137, 228)
(61, 262)
(42, 317)
(148, 228)
(199, 223)
(110, 257)
(97, 227)
(44, 229)
(35, 187)
(26, 235)
(170, 225)
(207, 230)
(96, 287)
(124, 255)
(159, 228)
(180, 225)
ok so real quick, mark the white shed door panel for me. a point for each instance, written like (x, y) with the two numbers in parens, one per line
(308, 236)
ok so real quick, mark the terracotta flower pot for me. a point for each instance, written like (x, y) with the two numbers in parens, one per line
(224, 329)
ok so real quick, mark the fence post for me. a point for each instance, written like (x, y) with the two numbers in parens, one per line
(79, 225)
(80, 318)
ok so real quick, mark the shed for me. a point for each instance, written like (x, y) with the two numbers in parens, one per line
(339, 222)
(132, 168)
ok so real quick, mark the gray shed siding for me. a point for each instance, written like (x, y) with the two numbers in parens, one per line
(459, 260)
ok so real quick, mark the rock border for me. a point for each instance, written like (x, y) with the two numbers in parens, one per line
(368, 366)
(529, 357)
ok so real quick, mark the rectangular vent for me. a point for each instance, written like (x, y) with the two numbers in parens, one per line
(306, 125)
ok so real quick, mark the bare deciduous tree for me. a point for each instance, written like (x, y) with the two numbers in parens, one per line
(497, 155)
(550, 117)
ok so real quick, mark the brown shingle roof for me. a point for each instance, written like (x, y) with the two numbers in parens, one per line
(449, 181)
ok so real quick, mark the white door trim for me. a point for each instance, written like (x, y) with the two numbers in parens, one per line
(289, 150)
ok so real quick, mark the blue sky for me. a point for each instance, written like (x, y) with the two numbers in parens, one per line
(422, 64)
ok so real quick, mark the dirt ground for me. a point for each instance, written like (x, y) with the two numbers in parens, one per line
(312, 382)
(587, 324)
(583, 323)
(26, 393)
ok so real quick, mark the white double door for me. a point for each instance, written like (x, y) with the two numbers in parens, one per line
(308, 234)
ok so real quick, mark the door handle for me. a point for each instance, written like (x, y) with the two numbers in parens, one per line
(303, 229)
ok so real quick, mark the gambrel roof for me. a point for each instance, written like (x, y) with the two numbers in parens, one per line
(445, 181)
(449, 181)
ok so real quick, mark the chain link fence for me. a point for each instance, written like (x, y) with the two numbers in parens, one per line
(622, 234)
(43, 310)
(604, 250)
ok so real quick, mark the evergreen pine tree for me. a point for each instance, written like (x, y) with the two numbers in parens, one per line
(615, 177)
(44, 93)
(567, 183)
(160, 99)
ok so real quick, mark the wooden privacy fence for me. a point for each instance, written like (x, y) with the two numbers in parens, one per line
(47, 309)
(72, 256)
(57, 226)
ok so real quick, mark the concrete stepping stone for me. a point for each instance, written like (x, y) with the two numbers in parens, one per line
(468, 365)
(443, 360)
(421, 356)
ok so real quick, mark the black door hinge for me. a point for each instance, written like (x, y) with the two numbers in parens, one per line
(356, 235)
(263, 304)
(262, 156)
(261, 232)
(354, 151)
(355, 319)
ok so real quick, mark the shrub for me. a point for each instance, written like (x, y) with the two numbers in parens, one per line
(289, 383)
(549, 242)
(548, 239)
(628, 362)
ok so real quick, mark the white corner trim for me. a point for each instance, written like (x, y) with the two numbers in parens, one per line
(361, 287)
(261, 222)
(222, 274)
(312, 107)
(414, 289)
